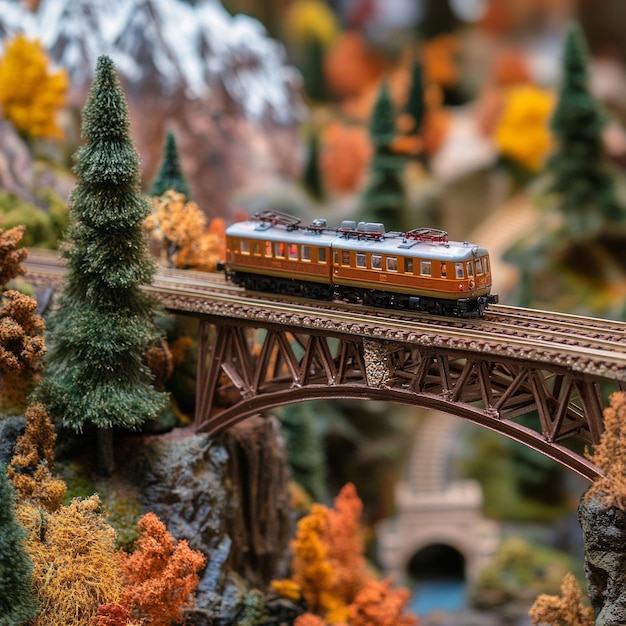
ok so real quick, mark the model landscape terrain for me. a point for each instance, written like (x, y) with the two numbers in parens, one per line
(133, 135)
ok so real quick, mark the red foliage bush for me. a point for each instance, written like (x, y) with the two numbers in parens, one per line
(160, 575)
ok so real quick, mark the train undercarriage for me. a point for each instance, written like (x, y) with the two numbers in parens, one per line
(461, 307)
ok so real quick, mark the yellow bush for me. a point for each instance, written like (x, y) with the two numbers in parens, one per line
(522, 133)
(30, 94)
(310, 19)
(75, 564)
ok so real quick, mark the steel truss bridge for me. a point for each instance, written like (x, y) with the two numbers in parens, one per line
(257, 352)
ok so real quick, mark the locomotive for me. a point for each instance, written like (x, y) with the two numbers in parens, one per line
(361, 263)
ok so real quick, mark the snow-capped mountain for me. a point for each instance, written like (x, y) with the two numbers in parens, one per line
(167, 47)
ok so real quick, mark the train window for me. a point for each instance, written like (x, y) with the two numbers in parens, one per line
(470, 268)
(486, 260)
(377, 262)
(345, 257)
(321, 255)
(425, 268)
(458, 268)
(244, 246)
(392, 264)
(279, 249)
(268, 248)
(361, 260)
(257, 248)
(408, 266)
(306, 253)
(444, 270)
(479, 266)
(293, 251)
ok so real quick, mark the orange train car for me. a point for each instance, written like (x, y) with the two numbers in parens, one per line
(415, 270)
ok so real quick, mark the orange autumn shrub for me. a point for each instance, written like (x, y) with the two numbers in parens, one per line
(377, 604)
(11, 256)
(346, 151)
(179, 234)
(564, 610)
(161, 575)
(113, 614)
(33, 459)
(311, 569)
(329, 570)
(75, 566)
(610, 455)
(435, 128)
(309, 619)
(510, 68)
(351, 66)
(439, 62)
(345, 546)
(174, 224)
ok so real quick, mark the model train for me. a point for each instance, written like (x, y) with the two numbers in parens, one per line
(419, 269)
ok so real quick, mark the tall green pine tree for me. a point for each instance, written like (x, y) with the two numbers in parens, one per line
(584, 187)
(17, 604)
(103, 321)
(170, 175)
(384, 198)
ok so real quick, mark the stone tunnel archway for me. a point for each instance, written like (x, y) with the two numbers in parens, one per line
(437, 561)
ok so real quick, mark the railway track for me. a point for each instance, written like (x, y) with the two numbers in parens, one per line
(585, 344)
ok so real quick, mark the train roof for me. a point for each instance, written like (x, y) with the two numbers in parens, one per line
(420, 243)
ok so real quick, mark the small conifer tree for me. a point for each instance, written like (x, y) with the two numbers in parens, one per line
(415, 106)
(17, 604)
(313, 69)
(307, 461)
(584, 187)
(104, 322)
(170, 175)
(312, 174)
(384, 198)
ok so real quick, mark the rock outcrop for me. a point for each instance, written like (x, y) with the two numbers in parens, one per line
(604, 531)
(226, 496)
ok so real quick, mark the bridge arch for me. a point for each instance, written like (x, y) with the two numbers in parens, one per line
(238, 378)
(518, 432)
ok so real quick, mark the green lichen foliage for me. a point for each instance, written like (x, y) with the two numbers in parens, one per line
(17, 605)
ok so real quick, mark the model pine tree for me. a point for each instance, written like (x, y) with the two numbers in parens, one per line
(384, 198)
(170, 175)
(415, 106)
(312, 175)
(17, 604)
(584, 188)
(103, 321)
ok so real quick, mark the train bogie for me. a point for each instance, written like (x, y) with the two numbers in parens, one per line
(420, 269)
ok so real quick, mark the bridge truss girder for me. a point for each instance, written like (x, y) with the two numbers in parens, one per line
(245, 369)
